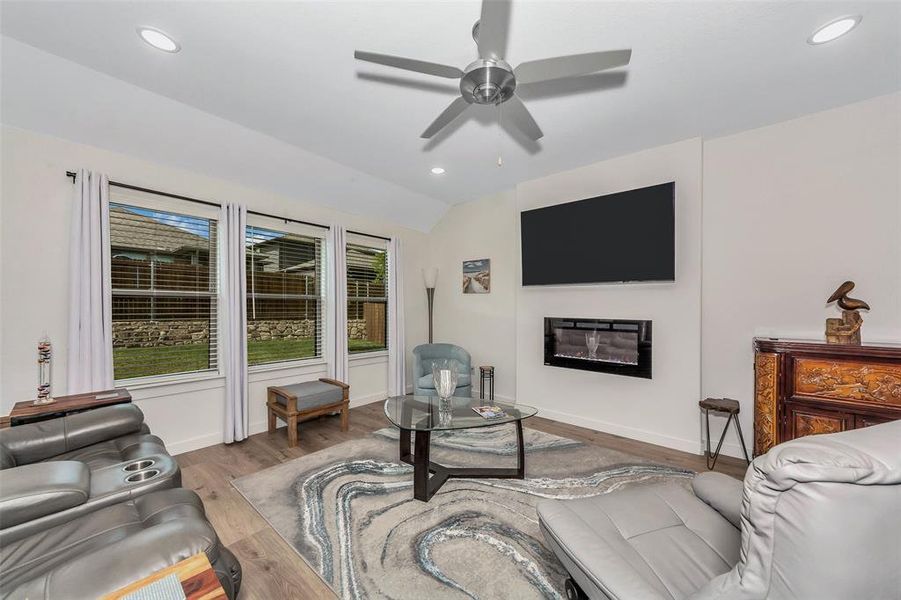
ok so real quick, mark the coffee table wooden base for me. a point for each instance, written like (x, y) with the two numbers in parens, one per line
(428, 476)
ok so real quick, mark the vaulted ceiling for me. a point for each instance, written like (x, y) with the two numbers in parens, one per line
(285, 70)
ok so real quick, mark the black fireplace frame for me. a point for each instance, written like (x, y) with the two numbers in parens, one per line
(644, 367)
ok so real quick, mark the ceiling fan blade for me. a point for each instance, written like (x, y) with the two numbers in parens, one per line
(573, 65)
(517, 114)
(426, 85)
(409, 64)
(454, 110)
(596, 82)
(493, 26)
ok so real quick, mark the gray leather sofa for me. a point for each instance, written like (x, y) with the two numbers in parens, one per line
(91, 502)
(56, 470)
(818, 517)
(98, 437)
(105, 550)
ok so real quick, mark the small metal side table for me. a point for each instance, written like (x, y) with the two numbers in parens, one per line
(730, 407)
(486, 374)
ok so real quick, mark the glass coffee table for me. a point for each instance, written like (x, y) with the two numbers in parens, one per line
(424, 414)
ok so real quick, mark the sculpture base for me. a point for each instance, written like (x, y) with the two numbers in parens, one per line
(845, 331)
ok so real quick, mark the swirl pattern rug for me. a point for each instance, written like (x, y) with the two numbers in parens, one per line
(349, 512)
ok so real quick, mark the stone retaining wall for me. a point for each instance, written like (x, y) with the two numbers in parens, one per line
(142, 334)
(265, 329)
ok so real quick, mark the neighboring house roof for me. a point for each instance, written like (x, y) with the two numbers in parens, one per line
(139, 232)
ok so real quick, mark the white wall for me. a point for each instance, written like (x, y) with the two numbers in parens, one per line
(661, 410)
(34, 235)
(481, 323)
(791, 211)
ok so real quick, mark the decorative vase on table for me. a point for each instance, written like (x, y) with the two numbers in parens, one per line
(444, 376)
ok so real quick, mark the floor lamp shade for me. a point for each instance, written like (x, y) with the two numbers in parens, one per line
(430, 277)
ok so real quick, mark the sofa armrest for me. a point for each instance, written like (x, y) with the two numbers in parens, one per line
(45, 439)
(32, 491)
(722, 493)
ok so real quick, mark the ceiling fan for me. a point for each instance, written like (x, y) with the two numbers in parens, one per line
(491, 80)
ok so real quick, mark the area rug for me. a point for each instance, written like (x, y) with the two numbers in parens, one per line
(349, 512)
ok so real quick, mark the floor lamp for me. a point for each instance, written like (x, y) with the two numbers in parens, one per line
(430, 277)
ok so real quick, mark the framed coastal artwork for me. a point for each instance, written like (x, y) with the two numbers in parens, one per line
(477, 276)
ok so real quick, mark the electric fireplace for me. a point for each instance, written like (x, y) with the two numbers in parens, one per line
(614, 346)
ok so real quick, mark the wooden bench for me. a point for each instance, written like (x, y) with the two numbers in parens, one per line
(304, 400)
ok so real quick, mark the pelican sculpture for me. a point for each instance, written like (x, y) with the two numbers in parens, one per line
(844, 302)
(845, 330)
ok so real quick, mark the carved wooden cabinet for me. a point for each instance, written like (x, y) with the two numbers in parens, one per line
(805, 388)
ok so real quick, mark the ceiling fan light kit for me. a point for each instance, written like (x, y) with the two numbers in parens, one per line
(490, 80)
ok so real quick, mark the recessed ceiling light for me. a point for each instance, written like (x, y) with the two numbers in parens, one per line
(834, 30)
(158, 39)
(437, 171)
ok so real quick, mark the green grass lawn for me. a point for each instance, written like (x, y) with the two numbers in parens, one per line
(129, 363)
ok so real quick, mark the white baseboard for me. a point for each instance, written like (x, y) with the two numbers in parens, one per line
(195, 443)
(363, 400)
(643, 435)
(212, 439)
(692, 447)
(729, 448)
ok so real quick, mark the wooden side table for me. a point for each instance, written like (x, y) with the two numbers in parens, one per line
(731, 408)
(195, 573)
(486, 374)
(28, 412)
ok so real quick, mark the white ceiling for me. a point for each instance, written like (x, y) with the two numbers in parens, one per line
(286, 69)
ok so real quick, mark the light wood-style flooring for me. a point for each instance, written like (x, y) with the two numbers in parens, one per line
(272, 570)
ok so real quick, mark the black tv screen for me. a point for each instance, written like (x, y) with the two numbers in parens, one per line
(628, 236)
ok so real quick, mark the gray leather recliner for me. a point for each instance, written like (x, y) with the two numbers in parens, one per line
(59, 469)
(105, 550)
(818, 517)
(90, 503)
(99, 437)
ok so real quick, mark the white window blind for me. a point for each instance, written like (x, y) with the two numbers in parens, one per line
(367, 298)
(284, 296)
(163, 292)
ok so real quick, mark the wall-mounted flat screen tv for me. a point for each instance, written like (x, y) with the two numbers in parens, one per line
(627, 236)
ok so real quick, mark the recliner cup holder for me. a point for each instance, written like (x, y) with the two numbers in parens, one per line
(142, 476)
(139, 465)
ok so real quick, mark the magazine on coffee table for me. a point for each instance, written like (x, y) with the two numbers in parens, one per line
(490, 412)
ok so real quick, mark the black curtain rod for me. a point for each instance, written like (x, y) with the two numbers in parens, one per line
(372, 235)
(72, 174)
(206, 202)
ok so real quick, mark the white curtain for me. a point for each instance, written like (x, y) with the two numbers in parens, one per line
(233, 303)
(90, 360)
(397, 383)
(337, 304)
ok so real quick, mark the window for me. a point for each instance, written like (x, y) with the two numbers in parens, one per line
(367, 298)
(284, 296)
(163, 275)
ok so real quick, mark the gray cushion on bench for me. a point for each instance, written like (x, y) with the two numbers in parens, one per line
(312, 394)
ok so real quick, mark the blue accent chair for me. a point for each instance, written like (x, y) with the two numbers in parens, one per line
(425, 355)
